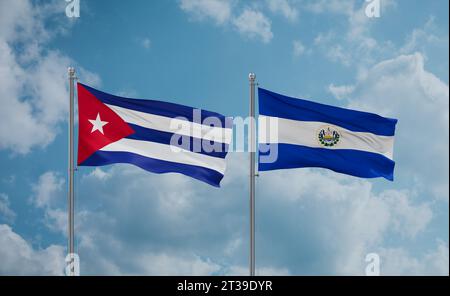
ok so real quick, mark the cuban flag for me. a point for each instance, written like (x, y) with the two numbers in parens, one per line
(298, 133)
(156, 136)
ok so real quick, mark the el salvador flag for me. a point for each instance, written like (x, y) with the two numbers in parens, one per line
(156, 136)
(316, 135)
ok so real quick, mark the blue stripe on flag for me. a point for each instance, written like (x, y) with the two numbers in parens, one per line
(157, 166)
(352, 162)
(151, 135)
(166, 109)
(276, 105)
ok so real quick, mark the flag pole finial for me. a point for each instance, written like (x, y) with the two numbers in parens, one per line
(71, 71)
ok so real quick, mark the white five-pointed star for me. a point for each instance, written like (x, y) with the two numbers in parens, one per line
(97, 124)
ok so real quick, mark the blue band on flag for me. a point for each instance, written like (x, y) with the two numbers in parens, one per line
(195, 145)
(100, 158)
(276, 105)
(353, 162)
(166, 109)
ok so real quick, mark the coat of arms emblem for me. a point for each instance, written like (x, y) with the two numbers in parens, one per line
(328, 136)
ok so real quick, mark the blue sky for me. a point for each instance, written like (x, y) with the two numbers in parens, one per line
(199, 53)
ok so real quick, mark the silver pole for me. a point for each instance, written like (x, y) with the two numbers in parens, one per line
(252, 149)
(71, 171)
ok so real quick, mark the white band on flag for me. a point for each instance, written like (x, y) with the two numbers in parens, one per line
(173, 125)
(164, 152)
(305, 133)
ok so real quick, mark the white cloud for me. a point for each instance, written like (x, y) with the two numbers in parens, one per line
(20, 14)
(407, 219)
(285, 8)
(299, 48)
(254, 24)
(432, 43)
(49, 88)
(161, 219)
(361, 220)
(262, 271)
(217, 10)
(340, 92)
(33, 82)
(55, 219)
(100, 174)
(250, 22)
(49, 195)
(47, 189)
(6, 213)
(334, 51)
(18, 257)
(437, 261)
(399, 88)
(330, 6)
(356, 46)
(397, 260)
(32, 131)
(389, 208)
(342, 7)
(167, 224)
(422, 37)
(344, 210)
(164, 264)
(111, 240)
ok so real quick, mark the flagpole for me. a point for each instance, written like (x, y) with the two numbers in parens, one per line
(252, 150)
(71, 229)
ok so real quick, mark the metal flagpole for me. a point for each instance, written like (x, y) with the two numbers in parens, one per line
(71, 172)
(252, 150)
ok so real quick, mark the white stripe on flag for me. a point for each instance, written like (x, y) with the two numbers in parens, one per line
(164, 152)
(173, 125)
(305, 133)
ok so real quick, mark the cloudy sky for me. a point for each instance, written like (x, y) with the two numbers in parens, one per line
(199, 53)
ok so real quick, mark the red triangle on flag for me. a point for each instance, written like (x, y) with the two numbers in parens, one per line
(98, 125)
